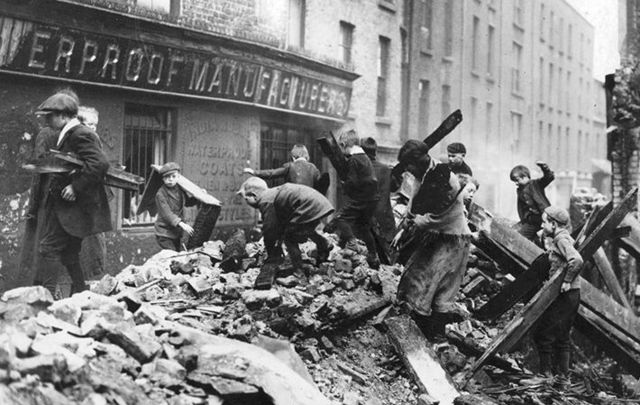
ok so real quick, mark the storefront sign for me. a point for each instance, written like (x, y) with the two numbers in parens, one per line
(60, 52)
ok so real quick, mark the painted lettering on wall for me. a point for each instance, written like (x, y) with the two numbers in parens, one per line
(62, 52)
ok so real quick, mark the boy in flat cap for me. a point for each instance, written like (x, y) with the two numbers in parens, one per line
(290, 214)
(551, 333)
(75, 203)
(170, 202)
(456, 152)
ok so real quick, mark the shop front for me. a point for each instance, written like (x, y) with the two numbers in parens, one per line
(215, 105)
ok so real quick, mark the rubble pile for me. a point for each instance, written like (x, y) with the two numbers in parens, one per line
(191, 328)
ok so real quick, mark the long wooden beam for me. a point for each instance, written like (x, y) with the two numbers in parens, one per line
(609, 277)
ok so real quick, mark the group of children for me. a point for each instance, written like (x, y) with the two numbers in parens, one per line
(292, 213)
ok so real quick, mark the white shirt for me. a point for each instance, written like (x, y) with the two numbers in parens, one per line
(74, 122)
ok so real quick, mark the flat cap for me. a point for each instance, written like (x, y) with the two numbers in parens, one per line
(168, 168)
(456, 147)
(560, 215)
(59, 102)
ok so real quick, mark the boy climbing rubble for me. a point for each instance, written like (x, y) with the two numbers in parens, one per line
(290, 213)
(532, 199)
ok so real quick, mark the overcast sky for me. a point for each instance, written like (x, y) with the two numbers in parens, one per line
(603, 14)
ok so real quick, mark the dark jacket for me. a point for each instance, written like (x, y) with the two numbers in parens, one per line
(361, 184)
(89, 213)
(299, 171)
(463, 168)
(563, 253)
(384, 212)
(170, 203)
(532, 199)
(290, 205)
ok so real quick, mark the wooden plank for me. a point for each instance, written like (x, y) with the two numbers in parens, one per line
(609, 277)
(631, 243)
(332, 150)
(509, 295)
(421, 361)
(514, 242)
(550, 290)
(507, 262)
(616, 315)
(517, 327)
(148, 198)
(114, 177)
(16, 37)
(5, 36)
(609, 340)
(449, 124)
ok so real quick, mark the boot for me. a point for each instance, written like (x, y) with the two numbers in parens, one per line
(545, 365)
(563, 382)
(373, 261)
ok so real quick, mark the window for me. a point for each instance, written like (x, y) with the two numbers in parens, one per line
(474, 112)
(346, 42)
(559, 152)
(541, 81)
(516, 126)
(383, 74)
(475, 44)
(426, 28)
(566, 92)
(559, 92)
(542, 19)
(491, 50)
(517, 13)
(446, 100)
(551, 28)
(579, 150)
(423, 119)
(295, 33)
(581, 48)
(567, 146)
(550, 84)
(147, 135)
(165, 6)
(516, 85)
(489, 123)
(537, 143)
(550, 143)
(448, 28)
(569, 41)
(561, 37)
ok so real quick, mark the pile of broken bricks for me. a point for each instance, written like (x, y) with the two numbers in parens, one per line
(184, 329)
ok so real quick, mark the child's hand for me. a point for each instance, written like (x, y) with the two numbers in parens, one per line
(540, 163)
(186, 227)
(565, 287)
(248, 170)
(421, 221)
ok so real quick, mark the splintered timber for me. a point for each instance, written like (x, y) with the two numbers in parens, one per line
(62, 52)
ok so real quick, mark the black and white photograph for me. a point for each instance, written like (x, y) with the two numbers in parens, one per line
(331, 202)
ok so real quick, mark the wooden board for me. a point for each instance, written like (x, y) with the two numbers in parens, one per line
(631, 243)
(114, 177)
(148, 200)
(445, 128)
(610, 340)
(609, 277)
(421, 361)
(614, 313)
(332, 150)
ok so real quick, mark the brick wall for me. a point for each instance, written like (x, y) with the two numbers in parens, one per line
(625, 163)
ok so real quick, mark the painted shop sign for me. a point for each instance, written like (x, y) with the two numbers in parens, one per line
(32, 48)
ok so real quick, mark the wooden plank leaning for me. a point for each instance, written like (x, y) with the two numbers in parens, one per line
(550, 290)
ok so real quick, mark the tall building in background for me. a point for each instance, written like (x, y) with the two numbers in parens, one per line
(521, 72)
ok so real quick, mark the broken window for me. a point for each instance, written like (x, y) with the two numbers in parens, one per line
(148, 131)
